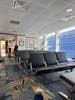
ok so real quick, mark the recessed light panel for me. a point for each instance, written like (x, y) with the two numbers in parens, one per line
(69, 10)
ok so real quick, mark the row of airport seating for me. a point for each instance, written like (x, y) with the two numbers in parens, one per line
(42, 62)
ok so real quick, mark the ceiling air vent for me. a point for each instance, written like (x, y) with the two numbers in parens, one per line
(21, 4)
(14, 22)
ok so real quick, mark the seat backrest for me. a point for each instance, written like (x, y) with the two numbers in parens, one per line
(50, 58)
(37, 60)
(18, 53)
(25, 55)
(61, 56)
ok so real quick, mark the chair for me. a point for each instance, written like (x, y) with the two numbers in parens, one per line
(50, 58)
(52, 62)
(62, 59)
(61, 56)
(37, 63)
(23, 59)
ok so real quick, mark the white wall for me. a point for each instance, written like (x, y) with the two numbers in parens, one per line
(25, 43)
(31, 43)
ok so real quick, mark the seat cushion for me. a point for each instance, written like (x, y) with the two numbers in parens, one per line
(50, 58)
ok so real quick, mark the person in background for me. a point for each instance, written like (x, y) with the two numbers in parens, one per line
(16, 47)
(9, 51)
(15, 51)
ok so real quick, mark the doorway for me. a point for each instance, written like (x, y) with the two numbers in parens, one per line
(2, 48)
(7, 41)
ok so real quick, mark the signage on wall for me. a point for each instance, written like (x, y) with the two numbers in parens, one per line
(21, 42)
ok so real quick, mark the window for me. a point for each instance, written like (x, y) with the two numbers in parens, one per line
(67, 43)
(51, 42)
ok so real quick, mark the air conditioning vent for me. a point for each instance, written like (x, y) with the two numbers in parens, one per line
(21, 5)
(14, 22)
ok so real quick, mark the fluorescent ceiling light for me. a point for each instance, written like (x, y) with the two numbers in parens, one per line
(69, 10)
(67, 18)
(41, 37)
(50, 34)
(64, 19)
(68, 29)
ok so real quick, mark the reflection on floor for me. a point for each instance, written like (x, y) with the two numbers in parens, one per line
(15, 85)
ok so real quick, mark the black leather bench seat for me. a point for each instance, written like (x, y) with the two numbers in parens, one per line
(42, 62)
